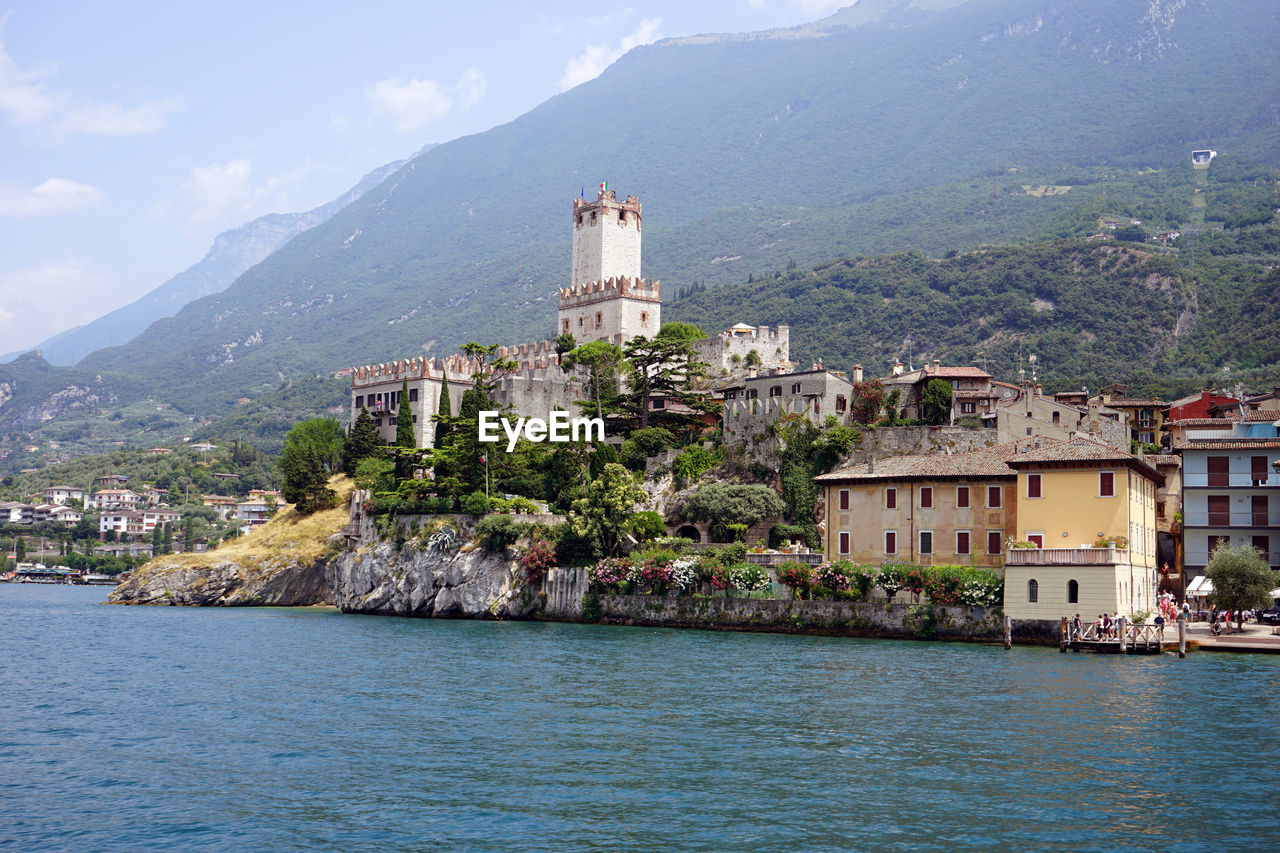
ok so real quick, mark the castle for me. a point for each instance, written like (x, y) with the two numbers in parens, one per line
(606, 300)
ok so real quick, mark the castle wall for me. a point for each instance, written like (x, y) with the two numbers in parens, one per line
(726, 354)
(610, 308)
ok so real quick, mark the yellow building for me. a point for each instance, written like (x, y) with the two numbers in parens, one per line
(933, 509)
(1089, 513)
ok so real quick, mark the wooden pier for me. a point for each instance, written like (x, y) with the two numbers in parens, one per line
(1125, 639)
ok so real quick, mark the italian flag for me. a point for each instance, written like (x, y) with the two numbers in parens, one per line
(604, 187)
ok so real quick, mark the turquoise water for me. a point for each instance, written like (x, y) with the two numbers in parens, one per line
(256, 729)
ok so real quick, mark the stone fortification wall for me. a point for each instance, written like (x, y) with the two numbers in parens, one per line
(602, 310)
(725, 354)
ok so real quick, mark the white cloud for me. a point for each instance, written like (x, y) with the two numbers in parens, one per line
(820, 8)
(411, 104)
(28, 99)
(225, 195)
(43, 300)
(597, 57)
(56, 195)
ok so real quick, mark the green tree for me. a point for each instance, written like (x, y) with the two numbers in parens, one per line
(166, 540)
(362, 441)
(1241, 578)
(664, 366)
(565, 344)
(312, 451)
(604, 511)
(868, 401)
(188, 535)
(935, 402)
(732, 504)
(444, 415)
(405, 439)
(20, 549)
(602, 361)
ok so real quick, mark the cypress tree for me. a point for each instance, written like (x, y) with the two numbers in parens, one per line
(444, 415)
(404, 434)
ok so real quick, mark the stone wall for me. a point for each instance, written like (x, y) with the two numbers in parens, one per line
(850, 618)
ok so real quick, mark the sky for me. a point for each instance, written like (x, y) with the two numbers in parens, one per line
(132, 133)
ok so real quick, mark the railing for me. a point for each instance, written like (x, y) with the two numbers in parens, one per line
(1234, 480)
(1134, 634)
(1066, 556)
(1242, 518)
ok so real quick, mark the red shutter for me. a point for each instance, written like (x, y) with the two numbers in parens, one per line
(962, 497)
(962, 542)
(844, 543)
(1107, 484)
(993, 542)
(993, 499)
(891, 542)
(891, 498)
(1219, 471)
(926, 496)
(844, 498)
(1033, 485)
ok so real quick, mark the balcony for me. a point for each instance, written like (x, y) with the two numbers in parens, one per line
(1243, 480)
(1066, 556)
(1237, 518)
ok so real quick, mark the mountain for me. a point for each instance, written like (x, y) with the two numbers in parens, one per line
(894, 125)
(232, 253)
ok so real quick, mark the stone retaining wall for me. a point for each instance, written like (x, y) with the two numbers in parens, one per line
(851, 618)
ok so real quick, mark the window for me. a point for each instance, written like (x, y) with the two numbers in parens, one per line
(1261, 507)
(731, 395)
(926, 497)
(966, 408)
(394, 420)
(926, 541)
(1033, 591)
(1073, 592)
(775, 390)
(1106, 484)
(1033, 485)
(993, 497)
(993, 541)
(599, 319)
(844, 542)
(844, 498)
(1216, 542)
(622, 217)
(1219, 471)
(659, 403)
(962, 542)
(1056, 417)
(891, 541)
(841, 403)
(1258, 470)
(413, 395)
(1263, 544)
(1036, 539)
(644, 318)
(359, 401)
(750, 393)
(891, 498)
(1219, 510)
(795, 388)
(962, 497)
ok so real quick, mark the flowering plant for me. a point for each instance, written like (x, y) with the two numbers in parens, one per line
(611, 571)
(721, 578)
(797, 576)
(684, 572)
(538, 560)
(832, 576)
(750, 577)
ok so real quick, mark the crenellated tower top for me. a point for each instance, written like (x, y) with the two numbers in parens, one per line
(606, 238)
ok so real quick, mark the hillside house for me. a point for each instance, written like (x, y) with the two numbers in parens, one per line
(62, 494)
(752, 405)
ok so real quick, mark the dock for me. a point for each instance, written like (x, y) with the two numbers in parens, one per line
(1124, 640)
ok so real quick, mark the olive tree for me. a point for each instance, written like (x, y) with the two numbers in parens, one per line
(1241, 578)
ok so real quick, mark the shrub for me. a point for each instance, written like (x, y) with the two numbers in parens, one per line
(647, 525)
(891, 578)
(834, 577)
(863, 578)
(475, 503)
(538, 560)
(733, 553)
(610, 572)
(496, 532)
(797, 577)
(750, 577)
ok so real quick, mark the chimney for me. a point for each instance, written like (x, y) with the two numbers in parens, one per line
(857, 374)
(897, 367)
(871, 464)
(937, 365)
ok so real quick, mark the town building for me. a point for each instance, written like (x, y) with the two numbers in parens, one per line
(225, 505)
(113, 499)
(971, 391)
(753, 404)
(62, 494)
(1086, 513)
(934, 509)
(1230, 492)
(1146, 415)
(743, 351)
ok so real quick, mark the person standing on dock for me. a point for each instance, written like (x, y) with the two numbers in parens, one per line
(1160, 626)
(1075, 627)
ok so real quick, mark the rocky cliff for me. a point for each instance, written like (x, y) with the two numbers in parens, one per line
(412, 582)
(279, 582)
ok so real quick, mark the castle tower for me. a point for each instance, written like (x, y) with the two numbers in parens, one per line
(606, 298)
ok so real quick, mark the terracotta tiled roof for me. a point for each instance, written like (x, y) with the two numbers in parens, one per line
(1231, 444)
(972, 395)
(988, 463)
(958, 372)
(1083, 452)
(1136, 401)
(1262, 415)
(1201, 422)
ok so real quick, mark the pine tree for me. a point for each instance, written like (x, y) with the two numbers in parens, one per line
(362, 441)
(405, 439)
(444, 415)
(167, 541)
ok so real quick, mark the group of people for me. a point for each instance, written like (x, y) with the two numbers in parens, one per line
(1108, 625)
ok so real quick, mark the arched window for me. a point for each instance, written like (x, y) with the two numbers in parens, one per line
(1033, 591)
(1073, 592)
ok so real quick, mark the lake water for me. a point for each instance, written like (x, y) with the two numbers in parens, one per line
(254, 729)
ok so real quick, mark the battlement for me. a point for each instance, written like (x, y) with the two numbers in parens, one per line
(623, 286)
(586, 212)
(456, 368)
